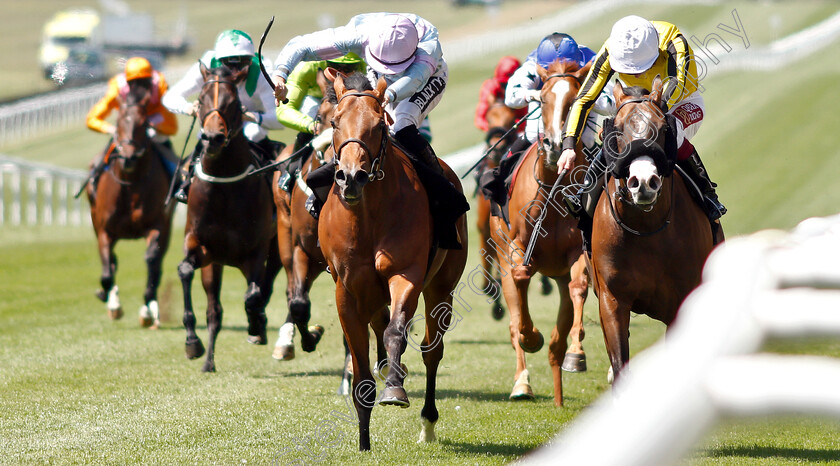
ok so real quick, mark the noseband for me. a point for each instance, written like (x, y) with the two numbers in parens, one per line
(216, 110)
(376, 172)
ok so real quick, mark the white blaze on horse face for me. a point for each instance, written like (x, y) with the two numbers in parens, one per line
(560, 89)
(643, 182)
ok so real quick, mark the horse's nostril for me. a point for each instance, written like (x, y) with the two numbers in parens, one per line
(340, 176)
(361, 177)
(633, 182)
(655, 183)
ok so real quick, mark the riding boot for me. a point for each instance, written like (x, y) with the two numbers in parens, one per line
(695, 169)
(301, 153)
(493, 182)
(446, 203)
(419, 147)
(185, 178)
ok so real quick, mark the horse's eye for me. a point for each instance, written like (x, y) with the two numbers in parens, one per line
(332, 123)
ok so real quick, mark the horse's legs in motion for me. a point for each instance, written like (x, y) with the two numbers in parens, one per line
(530, 338)
(575, 359)
(615, 320)
(378, 323)
(272, 269)
(364, 387)
(211, 278)
(404, 297)
(522, 384)
(489, 249)
(558, 344)
(109, 293)
(186, 270)
(435, 296)
(304, 273)
(157, 242)
(255, 302)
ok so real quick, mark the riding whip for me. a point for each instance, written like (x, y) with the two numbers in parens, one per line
(543, 212)
(291, 158)
(502, 138)
(180, 164)
(259, 56)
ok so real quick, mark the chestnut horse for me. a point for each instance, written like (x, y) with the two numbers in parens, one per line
(229, 217)
(376, 235)
(129, 203)
(558, 250)
(500, 119)
(297, 234)
(650, 239)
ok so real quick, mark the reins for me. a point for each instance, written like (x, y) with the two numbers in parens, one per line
(217, 111)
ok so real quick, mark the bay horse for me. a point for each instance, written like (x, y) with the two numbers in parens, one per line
(376, 234)
(129, 204)
(650, 239)
(558, 250)
(300, 253)
(229, 217)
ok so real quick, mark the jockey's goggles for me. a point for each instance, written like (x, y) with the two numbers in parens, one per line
(236, 62)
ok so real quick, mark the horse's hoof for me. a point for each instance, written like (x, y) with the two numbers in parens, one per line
(427, 431)
(574, 362)
(535, 347)
(317, 332)
(209, 366)
(101, 295)
(115, 314)
(257, 339)
(146, 322)
(498, 312)
(394, 396)
(194, 349)
(283, 353)
(522, 387)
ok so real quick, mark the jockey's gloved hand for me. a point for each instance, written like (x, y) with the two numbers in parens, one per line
(194, 110)
(533, 95)
(323, 140)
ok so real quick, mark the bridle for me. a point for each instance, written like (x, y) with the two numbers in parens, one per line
(620, 193)
(544, 142)
(119, 143)
(376, 172)
(217, 111)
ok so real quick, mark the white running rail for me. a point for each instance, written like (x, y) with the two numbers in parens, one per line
(40, 194)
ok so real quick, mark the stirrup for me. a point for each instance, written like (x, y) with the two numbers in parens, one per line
(180, 195)
(573, 203)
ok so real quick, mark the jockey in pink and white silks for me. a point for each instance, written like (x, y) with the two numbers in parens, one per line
(402, 48)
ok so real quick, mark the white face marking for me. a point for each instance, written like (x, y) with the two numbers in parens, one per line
(643, 181)
(560, 89)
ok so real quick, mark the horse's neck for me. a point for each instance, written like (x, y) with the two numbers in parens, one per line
(233, 159)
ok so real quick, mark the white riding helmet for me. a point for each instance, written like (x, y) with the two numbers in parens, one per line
(633, 45)
(233, 43)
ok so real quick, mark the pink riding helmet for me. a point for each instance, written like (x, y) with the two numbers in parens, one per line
(390, 48)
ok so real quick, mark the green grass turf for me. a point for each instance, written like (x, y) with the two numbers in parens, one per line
(77, 388)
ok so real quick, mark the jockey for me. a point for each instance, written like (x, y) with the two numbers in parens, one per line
(639, 50)
(138, 73)
(524, 90)
(493, 89)
(234, 50)
(404, 50)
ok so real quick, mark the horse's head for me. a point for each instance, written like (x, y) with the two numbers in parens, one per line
(220, 110)
(132, 138)
(561, 83)
(500, 118)
(360, 134)
(639, 141)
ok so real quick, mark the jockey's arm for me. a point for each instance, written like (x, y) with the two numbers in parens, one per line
(521, 84)
(593, 84)
(264, 107)
(175, 99)
(162, 120)
(679, 53)
(96, 116)
(300, 83)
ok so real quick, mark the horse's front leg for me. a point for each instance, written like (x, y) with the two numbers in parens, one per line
(186, 270)
(558, 343)
(109, 293)
(615, 321)
(521, 378)
(211, 279)
(157, 243)
(575, 358)
(255, 302)
(356, 334)
(304, 271)
(405, 291)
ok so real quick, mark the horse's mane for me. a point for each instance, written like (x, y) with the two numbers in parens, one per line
(357, 81)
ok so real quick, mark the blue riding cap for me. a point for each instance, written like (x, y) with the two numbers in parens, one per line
(559, 46)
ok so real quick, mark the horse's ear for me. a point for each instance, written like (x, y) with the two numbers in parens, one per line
(321, 80)
(338, 85)
(581, 73)
(331, 73)
(204, 71)
(381, 85)
(656, 89)
(618, 91)
(542, 73)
